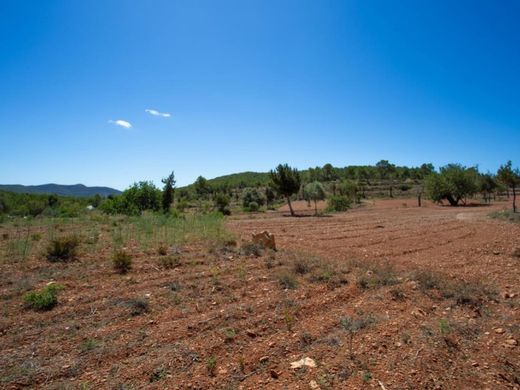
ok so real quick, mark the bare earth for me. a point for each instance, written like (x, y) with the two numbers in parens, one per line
(222, 319)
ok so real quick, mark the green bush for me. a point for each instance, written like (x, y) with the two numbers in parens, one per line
(253, 199)
(122, 261)
(45, 299)
(338, 203)
(62, 249)
(222, 203)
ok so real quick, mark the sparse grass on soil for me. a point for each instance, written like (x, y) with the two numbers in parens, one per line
(406, 297)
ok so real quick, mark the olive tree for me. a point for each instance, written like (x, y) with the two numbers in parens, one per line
(511, 178)
(454, 183)
(286, 182)
(314, 191)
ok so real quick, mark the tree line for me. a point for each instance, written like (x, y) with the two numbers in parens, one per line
(453, 183)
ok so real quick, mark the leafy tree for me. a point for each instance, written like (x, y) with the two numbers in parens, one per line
(511, 178)
(286, 181)
(314, 191)
(328, 173)
(349, 188)
(487, 185)
(454, 183)
(339, 203)
(168, 192)
(269, 195)
(134, 200)
(253, 199)
(52, 200)
(426, 170)
(202, 187)
(385, 169)
(222, 201)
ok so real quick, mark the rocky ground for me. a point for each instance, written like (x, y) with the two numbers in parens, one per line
(387, 296)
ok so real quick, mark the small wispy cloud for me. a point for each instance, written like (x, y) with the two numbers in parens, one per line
(158, 113)
(121, 123)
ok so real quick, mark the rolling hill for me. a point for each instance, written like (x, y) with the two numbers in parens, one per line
(60, 189)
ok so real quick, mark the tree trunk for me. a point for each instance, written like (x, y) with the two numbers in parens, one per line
(514, 199)
(419, 200)
(452, 201)
(290, 206)
(315, 207)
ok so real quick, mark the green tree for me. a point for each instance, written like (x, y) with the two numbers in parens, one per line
(511, 178)
(252, 199)
(168, 192)
(314, 191)
(202, 187)
(286, 181)
(454, 183)
(487, 185)
(222, 201)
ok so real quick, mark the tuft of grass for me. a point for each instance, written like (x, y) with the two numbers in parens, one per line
(444, 326)
(379, 276)
(506, 215)
(62, 249)
(464, 293)
(169, 262)
(211, 365)
(252, 249)
(89, 345)
(121, 261)
(162, 250)
(354, 325)
(137, 306)
(288, 281)
(229, 334)
(303, 265)
(157, 375)
(43, 300)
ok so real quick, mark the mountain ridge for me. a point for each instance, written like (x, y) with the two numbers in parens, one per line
(60, 189)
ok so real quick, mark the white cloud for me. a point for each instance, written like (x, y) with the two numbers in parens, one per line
(121, 123)
(157, 113)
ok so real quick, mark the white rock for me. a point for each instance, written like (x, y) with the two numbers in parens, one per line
(306, 361)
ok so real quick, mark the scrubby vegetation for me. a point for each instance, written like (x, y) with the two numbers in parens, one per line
(122, 261)
(62, 249)
(44, 299)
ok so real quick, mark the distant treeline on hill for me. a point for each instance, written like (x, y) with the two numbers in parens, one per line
(60, 189)
(369, 174)
(252, 191)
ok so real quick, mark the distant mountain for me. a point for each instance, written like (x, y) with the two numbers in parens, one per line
(60, 189)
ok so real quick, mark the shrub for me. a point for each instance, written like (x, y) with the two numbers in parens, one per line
(169, 262)
(252, 207)
(211, 365)
(45, 299)
(162, 250)
(62, 249)
(288, 281)
(302, 265)
(122, 261)
(229, 334)
(138, 306)
(338, 203)
(253, 199)
(252, 249)
(222, 203)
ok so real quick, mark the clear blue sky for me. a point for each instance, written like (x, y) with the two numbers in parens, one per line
(250, 84)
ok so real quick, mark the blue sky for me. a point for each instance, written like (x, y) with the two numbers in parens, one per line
(250, 84)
